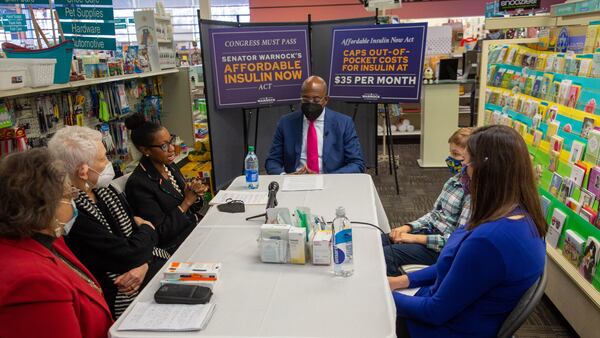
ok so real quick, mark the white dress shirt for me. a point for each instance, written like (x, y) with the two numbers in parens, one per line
(320, 128)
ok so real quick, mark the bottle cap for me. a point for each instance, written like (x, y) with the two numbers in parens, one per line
(340, 212)
(250, 148)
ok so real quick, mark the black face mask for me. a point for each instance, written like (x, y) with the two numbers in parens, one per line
(311, 110)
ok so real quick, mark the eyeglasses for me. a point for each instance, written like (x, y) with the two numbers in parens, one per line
(308, 99)
(165, 146)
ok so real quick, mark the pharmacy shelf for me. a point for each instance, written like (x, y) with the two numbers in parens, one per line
(573, 273)
(544, 20)
(520, 21)
(181, 157)
(82, 83)
(163, 41)
(402, 133)
(582, 19)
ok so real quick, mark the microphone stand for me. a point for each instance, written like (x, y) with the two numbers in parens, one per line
(265, 213)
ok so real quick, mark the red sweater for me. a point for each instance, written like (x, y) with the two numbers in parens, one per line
(41, 297)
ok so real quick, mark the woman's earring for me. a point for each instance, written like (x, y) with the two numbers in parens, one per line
(58, 231)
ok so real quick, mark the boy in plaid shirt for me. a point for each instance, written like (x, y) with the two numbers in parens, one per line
(420, 241)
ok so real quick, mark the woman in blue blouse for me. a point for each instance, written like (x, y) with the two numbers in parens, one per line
(488, 263)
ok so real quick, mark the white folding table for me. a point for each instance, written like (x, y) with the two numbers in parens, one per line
(255, 299)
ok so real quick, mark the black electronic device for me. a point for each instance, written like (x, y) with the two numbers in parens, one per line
(232, 206)
(171, 293)
(448, 69)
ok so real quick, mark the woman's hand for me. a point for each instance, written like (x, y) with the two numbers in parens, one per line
(130, 281)
(198, 187)
(139, 221)
(400, 282)
(189, 198)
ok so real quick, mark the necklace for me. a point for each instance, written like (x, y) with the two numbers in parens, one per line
(80, 274)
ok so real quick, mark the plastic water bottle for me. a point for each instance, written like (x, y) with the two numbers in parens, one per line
(251, 169)
(343, 255)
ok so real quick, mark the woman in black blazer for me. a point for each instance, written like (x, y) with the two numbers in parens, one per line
(156, 190)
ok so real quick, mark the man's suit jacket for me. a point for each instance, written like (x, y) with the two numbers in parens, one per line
(341, 147)
(41, 297)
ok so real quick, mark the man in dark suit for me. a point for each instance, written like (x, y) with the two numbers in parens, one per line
(316, 140)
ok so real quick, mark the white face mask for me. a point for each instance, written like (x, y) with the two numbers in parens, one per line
(106, 176)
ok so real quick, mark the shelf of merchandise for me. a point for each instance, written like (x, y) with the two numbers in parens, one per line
(484, 65)
(575, 297)
(179, 158)
(578, 19)
(541, 21)
(82, 83)
(402, 133)
(520, 22)
(573, 273)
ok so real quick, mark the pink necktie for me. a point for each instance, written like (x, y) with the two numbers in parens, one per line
(312, 148)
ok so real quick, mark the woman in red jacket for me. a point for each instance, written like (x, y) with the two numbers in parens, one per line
(44, 290)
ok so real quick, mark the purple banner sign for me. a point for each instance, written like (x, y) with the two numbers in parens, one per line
(382, 63)
(259, 66)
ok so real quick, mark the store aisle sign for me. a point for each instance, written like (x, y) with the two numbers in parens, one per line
(259, 66)
(23, 2)
(377, 63)
(88, 28)
(87, 42)
(14, 22)
(84, 2)
(508, 5)
(85, 13)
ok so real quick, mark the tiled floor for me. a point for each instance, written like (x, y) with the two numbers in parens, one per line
(418, 190)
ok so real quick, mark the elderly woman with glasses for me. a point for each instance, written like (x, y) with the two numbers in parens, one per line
(117, 247)
(156, 190)
(45, 291)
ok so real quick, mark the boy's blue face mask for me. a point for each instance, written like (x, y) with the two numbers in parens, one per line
(453, 164)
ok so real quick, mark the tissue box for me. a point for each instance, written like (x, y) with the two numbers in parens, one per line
(321, 248)
(274, 243)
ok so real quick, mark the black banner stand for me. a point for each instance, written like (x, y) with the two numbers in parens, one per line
(390, 144)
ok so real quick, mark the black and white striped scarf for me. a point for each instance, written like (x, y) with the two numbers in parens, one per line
(119, 214)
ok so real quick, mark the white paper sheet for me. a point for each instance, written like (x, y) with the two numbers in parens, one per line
(167, 317)
(408, 292)
(302, 182)
(248, 197)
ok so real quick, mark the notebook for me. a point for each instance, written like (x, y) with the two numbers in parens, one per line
(150, 316)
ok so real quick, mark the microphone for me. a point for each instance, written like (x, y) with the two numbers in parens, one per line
(272, 202)
(273, 189)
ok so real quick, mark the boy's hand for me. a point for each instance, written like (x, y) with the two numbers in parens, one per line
(411, 238)
(396, 232)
